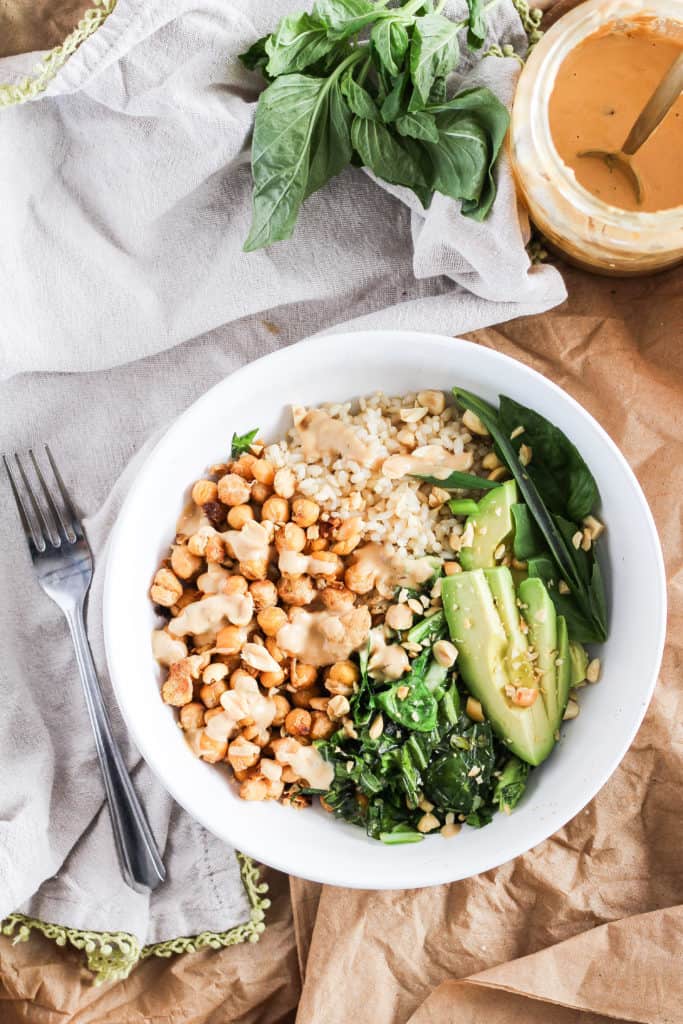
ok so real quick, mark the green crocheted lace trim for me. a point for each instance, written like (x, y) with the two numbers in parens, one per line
(50, 64)
(112, 955)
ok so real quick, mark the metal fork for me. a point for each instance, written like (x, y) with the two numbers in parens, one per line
(64, 566)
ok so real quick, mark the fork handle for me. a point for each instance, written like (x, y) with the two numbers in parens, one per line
(141, 864)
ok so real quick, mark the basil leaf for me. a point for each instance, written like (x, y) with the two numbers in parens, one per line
(256, 57)
(389, 40)
(476, 27)
(299, 41)
(563, 479)
(285, 133)
(359, 99)
(581, 624)
(434, 51)
(346, 17)
(242, 442)
(382, 153)
(393, 105)
(472, 128)
(330, 141)
(420, 125)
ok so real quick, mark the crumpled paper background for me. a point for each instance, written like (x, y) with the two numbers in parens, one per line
(585, 928)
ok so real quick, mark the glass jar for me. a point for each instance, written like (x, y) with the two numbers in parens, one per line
(590, 232)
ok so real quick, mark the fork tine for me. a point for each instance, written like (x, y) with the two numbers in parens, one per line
(57, 516)
(35, 544)
(74, 522)
(37, 510)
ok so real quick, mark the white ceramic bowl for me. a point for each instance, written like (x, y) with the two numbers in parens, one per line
(311, 843)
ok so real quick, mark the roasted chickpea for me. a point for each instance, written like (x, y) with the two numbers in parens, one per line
(359, 579)
(272, 679)
(231, 639)
(263, 471)
(302, 676)
(282, 707)
(321, 726)
(260, 492)
(166, 588)
(192, 715)
(305, 512)
(254, 789)
(290, 537)
(215, 549)
(242, 754)
(303, 698)
(243, 466)
(285, 482)
(210, 693)
(240, 675)
(298, 722)
(330, 565)
(177, 690)
(233, 490)
(337, 599)
(197, 544)
(275, 509)
(263, 593)
(255, 568)
(239, 515)
(188, 596)
(345, 672)
(235, 585)
(271, 620)
(274, 651)
(296, 590)
(212, 673)
(203, 491)
(183, 562)
(212, 750)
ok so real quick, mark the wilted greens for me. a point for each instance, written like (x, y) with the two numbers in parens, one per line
(357, 81)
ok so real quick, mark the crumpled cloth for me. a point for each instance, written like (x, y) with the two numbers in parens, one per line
(126, 198)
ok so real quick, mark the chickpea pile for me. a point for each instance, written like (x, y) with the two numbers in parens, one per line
(292, 700)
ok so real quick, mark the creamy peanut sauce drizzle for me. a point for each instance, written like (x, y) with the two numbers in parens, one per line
(321, 638)
(294, 563)
(244, 701)
(429, 460)
(387, 661)
(390, 570)
(193, 520)
(166, 649)
(307, 762)
(600, 89)
(321, 434)
(211, 581)
(251, 543)
(206, 616)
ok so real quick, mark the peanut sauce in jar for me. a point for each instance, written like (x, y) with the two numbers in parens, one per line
(600, 89)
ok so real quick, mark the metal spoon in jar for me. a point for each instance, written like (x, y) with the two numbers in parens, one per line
(654, 111)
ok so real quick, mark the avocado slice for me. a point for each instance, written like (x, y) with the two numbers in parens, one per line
(517, 664)
(541, 618)
(492, 525)
(476, 629)
(564, 669)
(578, 660)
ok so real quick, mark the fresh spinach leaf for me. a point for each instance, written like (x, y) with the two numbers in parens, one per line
(242, 442)
(563, 479)
(359, 99)
(417, 711)
(420, 125)
(511, 784)
(434, 51)
(528, 539)
(447, 780)
(389, 41)
(457, 481)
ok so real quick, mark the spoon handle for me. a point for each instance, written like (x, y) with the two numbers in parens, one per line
(656, 108)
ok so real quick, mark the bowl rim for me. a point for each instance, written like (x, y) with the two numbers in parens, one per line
(404, 877)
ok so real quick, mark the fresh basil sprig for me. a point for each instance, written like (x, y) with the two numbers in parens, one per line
(579, 569)
(242, 443)
(356, 81)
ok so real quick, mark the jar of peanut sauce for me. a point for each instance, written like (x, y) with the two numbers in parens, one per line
(572, 202)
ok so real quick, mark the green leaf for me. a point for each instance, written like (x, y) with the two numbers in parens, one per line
(299, 41)
(471, 127)
(434, 51)
(358, 98)
(447, 779)
(579, 616)
(346, 17)
(383, 153)
(464, 507)
(389, 40)
(563, 479)
(401, 834)
(393, 104)
(528, 540)
(256, 57)
(420, 125)
(416, 712)
(242, 442)
(457, 481)
(330, 141)
(511, 784)
(300, 125)
(476, 27)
